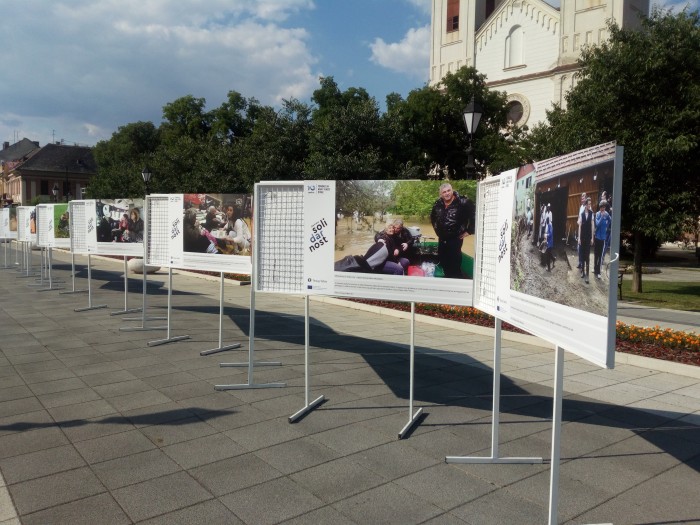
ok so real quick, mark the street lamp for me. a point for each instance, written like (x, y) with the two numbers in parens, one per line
(54, 190)
(472, 115)
(146, 174)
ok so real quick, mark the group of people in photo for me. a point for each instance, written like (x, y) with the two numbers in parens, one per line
(216, 230)
(594, 229)
(396, 250)
(128, 228)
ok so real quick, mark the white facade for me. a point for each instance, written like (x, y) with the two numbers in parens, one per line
(527, 48)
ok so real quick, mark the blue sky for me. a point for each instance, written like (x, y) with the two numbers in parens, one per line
(78, 69)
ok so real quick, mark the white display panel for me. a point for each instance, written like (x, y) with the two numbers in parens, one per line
(302, 227)
(279, 246)
(26, 224)
(551, 297)
(81, 229)
(119, 227)
(59, 236)
(207, 232)
(44, 226)
(5, 224)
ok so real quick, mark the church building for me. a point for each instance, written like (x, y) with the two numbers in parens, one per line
(527, 48)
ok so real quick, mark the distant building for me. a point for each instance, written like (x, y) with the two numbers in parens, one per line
(527, 48)
(30, 171)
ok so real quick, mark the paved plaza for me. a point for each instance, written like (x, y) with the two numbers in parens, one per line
(98, 427)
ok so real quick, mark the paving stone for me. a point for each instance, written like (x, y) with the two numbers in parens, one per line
(26, 421)
(210, 512)
(42, 493)
(81, 411)
(203, 450)
(135, 468)
(158, 496)
(228, 475)
(41, 463)
(114, 446)
(20, 443)
(283, 499)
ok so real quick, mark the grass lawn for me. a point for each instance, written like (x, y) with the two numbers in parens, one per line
(661, 294)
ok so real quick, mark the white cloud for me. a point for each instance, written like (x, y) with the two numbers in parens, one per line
(93, 65)
(410, 56)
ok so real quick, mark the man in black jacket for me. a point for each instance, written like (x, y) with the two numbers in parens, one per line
(453, 218)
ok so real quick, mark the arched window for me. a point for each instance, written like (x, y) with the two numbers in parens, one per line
(515, 42)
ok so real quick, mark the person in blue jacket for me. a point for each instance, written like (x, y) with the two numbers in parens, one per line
(602, 226)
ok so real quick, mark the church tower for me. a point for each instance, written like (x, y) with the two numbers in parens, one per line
(527, 48)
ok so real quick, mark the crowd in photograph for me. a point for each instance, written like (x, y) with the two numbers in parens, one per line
(216, 230)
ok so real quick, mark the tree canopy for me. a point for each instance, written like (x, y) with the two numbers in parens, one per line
(642, 89)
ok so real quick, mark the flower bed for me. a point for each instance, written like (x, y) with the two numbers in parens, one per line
(658, 343)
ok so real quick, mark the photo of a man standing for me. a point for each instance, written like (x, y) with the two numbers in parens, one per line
(453, 218)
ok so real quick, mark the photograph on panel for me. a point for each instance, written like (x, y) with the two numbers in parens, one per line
(13, 220)
(120, 220)
(562, 220)
(410, 228)
(61, 221)
(218, 223)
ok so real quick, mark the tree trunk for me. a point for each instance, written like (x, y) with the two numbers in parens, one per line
(637, 275)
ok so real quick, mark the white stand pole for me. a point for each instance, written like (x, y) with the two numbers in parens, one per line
(5, 242)
(49, 268)
(220, 348)
(42, 264)
(251, 357)
(72, 273)
(308, 407)
(412, 417)
(494, 457)
(556, 436)
(168, 338)
(90, 305)
(126, 309)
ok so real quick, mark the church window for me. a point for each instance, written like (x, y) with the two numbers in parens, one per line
(515, 112)
(514, 47)
(452, 16)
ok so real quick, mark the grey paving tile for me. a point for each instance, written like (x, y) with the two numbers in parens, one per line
(203, 450)
(322, 515)
(114, 446)
(96, 368)
(19, 406)
(167, 413)
(47, 375)
(59, 385)
(81, 411)
(387, 504)
(68, 397)
(25, 421)
(228, 475)
(165, 380)
(210, 512)
(264, 434)
(31, 441)
(42, 493)
(181, 430)
(11, 380)
(135, 468)
(283, 499)
(15, 392)
(158, 496)
(122, 388)
(394, 460)
(187, 390)
(146, 398)
(338, 479)
(106, 378)
(41, 463)
(296, 455)
(88, 511)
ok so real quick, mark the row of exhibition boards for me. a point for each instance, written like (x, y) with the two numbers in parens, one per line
(291, 236)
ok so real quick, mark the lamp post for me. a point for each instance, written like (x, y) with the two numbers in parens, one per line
(146, 174)
(472, 115)
(54, 190)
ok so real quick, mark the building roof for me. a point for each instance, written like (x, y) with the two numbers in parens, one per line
(18, 150)
(56, 158)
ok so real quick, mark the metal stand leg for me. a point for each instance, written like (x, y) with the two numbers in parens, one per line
(412, 417)
(144, 308)
(27, 256)
(251, 361)
(168, 338)
(556, 436)
(42, 264)
(5, 242)
(494, 458)
(50, 273)
(72, 273)
(220, 348)
(90, 305)
(126, 309)
(308, 407)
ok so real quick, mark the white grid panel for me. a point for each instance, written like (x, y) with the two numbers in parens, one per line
(78, 230)
(22, 218)
(4, 223)
(158, 226)
(488, 233)
(42, 225)
(279, 238)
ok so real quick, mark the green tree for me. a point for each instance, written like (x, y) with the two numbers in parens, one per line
(434, 132)
(641, 89)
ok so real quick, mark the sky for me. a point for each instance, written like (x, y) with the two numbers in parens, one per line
(76, 70)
